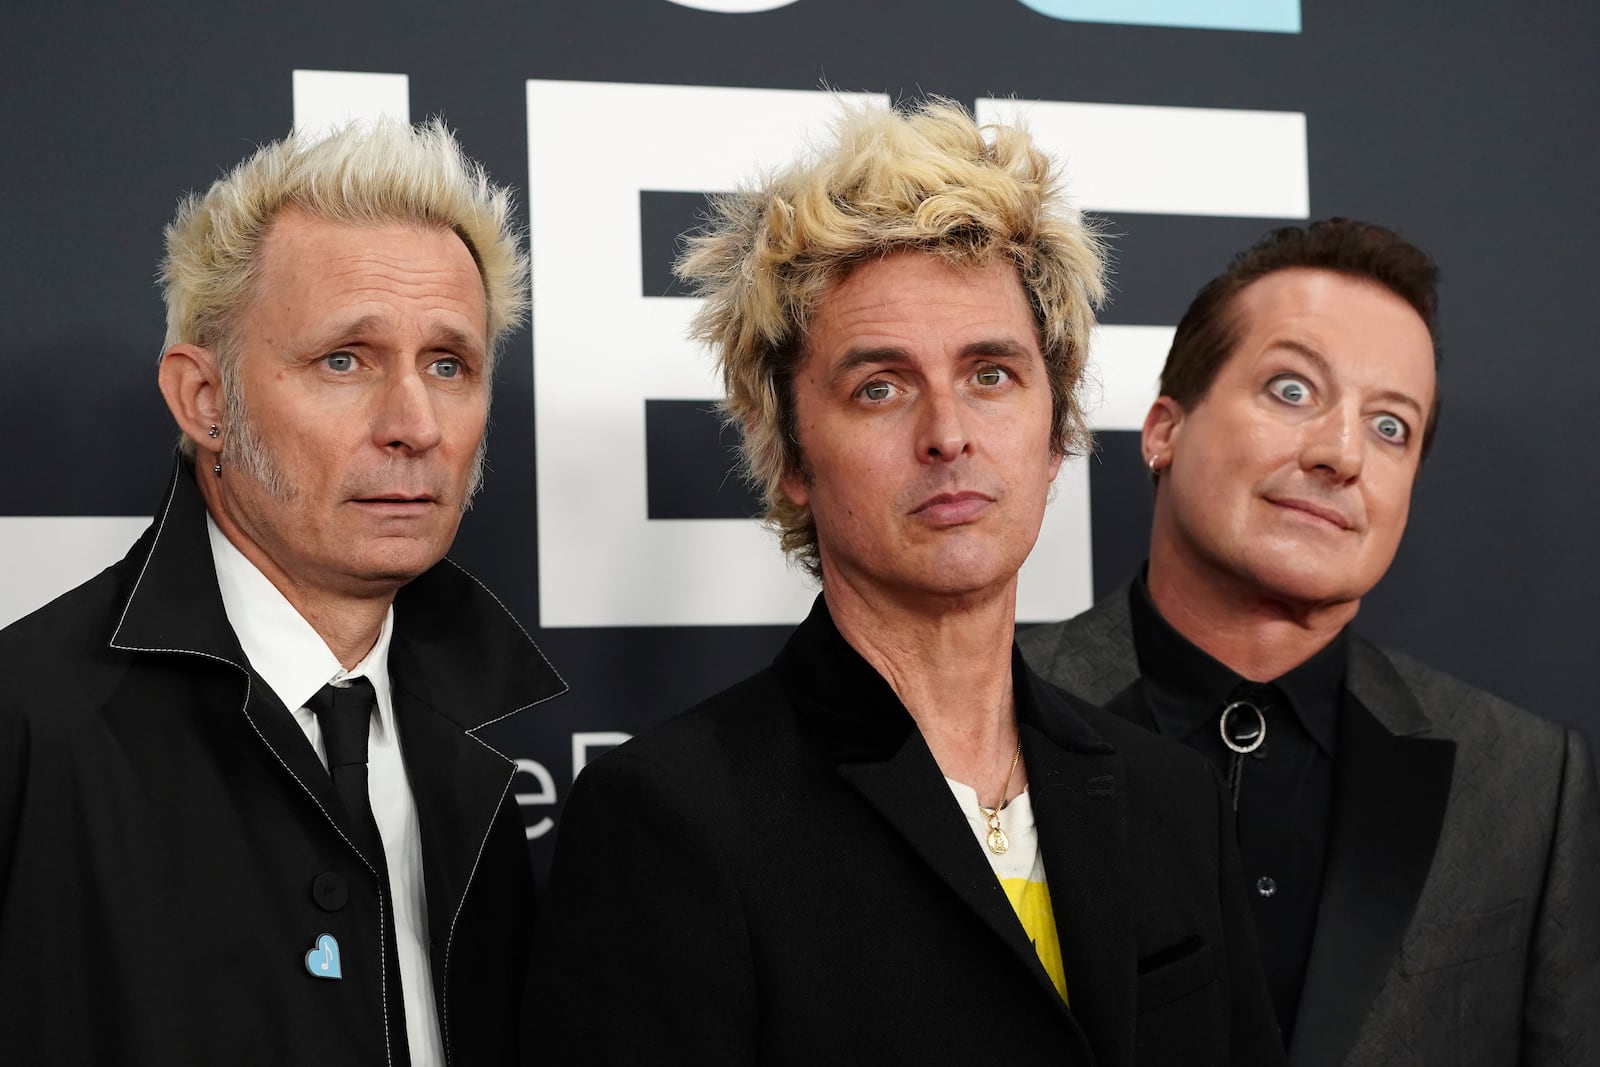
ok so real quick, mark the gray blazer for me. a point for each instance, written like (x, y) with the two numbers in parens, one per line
(1460, 914)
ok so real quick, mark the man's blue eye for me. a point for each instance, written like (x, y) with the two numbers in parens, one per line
(447, 368)
(340, 361)
(1391, 428)
(1292, 390)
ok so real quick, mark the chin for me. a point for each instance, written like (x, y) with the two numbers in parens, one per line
(394, 568)
(967, 577)
(1319, 585)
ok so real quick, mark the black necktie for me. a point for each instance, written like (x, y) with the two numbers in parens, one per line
(345, 715)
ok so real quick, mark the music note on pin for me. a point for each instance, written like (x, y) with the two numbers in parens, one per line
(323, 961)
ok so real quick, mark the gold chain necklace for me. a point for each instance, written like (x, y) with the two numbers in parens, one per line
(998, 841)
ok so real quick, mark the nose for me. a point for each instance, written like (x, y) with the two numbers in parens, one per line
(406, 420)
(942, 431)
(1333, 446)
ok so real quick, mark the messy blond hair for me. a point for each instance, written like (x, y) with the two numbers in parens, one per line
(927, 180)
(363, 174)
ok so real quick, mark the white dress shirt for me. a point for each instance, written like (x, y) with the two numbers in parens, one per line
(295, 663)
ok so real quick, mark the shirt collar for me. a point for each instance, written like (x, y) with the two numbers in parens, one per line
(282, 647)
(1185, 687)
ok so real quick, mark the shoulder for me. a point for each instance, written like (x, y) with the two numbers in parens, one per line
(744, 723)
(1090, 654)
(1097, 624)
(1472, 717)
(71, 632)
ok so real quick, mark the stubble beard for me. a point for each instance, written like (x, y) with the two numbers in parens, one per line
(246, 452)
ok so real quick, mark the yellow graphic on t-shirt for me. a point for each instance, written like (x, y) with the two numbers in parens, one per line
(1031, 901)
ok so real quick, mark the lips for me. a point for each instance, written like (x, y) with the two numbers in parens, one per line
(1327, 514)
(952, 509)
(395, 504)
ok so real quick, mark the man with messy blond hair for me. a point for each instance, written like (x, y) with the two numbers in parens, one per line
(896, 844)
(937, 184)
(244, 813)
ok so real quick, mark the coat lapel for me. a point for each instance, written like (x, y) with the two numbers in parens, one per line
(908, 790)
(1390, 792)
(876, 748)
(275, 725)
(458, 787)
(176, 607)
(1075, 783)
(458, 661)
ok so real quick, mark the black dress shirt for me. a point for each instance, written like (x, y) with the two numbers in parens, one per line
(1284, 788)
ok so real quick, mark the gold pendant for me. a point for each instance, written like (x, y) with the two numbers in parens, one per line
(998, 841)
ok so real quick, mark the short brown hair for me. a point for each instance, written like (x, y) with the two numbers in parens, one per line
(928, 180)
(1210, 328)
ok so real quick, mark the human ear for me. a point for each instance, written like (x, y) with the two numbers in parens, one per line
(1163, 425)
(192, 387)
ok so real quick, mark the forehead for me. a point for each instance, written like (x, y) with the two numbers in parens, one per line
(311, 265)
(1366, 334)
(917, 302)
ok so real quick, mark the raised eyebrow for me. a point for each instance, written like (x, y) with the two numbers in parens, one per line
(452, 338)
(1306, 352)
(347, 330)
(1393, 396)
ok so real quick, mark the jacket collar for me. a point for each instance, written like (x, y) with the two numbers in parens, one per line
(1074, 777)
(458, 661)
(856, 715)
(449, 629)
(1391, 787)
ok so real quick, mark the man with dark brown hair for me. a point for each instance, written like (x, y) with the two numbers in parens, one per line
(1423, 858)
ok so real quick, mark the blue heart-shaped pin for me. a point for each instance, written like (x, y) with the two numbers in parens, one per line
(323, 961)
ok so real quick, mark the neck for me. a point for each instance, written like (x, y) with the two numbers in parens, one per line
(349, 627)
(948, 659)
(1257, 637)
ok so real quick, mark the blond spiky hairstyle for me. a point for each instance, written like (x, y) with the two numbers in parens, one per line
(361, 174)
(928, 180)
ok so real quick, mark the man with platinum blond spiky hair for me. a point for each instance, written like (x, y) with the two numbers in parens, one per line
(245, 816)
(897, 844)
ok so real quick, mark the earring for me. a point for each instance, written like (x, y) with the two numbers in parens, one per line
(1154, 459)
(217, 469)
(213, 432)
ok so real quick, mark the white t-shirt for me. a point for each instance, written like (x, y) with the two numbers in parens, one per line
(1020, 871)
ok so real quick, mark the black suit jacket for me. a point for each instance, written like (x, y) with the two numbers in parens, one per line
(170, 846)
(1460, 914)
(782, 876)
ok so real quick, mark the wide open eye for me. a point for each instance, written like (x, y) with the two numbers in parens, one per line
(1391, 428)
(1290, 390)
(339, 362)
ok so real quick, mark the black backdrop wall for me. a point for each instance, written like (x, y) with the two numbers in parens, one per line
(609, 524)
